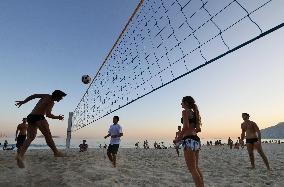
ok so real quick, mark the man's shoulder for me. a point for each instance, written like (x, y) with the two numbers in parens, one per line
(22, 125)
(42, 96)
(119, 126)
(253, 122)
(49, 97)
(244, 124)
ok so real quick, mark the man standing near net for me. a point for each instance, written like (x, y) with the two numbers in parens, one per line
(252, 133)
(115, 132)
(36, 120)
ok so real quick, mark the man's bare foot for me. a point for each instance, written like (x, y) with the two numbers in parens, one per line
(20, 161)
(59, 154)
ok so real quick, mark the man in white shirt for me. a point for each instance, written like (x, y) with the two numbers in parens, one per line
(115, 132)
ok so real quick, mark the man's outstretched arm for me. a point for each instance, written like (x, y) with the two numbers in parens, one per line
(108, 135)
(34, 96)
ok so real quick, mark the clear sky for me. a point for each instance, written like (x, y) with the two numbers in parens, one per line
(48, 45)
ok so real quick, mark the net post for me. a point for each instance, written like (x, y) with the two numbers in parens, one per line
(68, 137)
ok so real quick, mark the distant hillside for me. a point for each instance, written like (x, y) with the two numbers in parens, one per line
(274, 132)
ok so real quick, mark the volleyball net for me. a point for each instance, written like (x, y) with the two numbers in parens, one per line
(165, 40)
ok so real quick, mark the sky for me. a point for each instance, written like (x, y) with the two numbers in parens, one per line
(48, 45)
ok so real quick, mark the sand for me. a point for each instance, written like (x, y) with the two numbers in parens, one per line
(138, 167)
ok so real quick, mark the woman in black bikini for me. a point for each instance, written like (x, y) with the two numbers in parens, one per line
(190, 141)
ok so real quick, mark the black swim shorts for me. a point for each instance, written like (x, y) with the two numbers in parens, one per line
(32, 118)
(251, 140)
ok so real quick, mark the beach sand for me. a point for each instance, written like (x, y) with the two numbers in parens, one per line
(138, 167)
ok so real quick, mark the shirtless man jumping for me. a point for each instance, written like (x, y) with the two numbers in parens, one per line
(36, 120)
(253, 139)
(21, 137)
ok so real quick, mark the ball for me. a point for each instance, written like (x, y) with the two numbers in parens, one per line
(86, 79)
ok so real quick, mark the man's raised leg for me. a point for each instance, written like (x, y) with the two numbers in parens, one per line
(44, 128)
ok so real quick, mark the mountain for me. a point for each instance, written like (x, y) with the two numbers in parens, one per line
(274, 132)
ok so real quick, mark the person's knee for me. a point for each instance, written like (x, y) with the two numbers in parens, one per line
(47, 135)
(192, 169)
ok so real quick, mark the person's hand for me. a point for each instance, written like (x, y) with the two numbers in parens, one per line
(16, 139)
(61, 117)
(19, 103)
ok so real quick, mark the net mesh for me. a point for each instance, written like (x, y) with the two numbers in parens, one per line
(168, 39)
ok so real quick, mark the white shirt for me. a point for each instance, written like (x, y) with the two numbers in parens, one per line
(115, 129)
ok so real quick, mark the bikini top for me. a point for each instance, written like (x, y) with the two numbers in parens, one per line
(191, 119)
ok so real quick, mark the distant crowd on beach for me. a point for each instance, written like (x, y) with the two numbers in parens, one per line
(239, 143)
(160, 145)
(156, 145)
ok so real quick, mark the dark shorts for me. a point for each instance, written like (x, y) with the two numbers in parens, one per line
(32, 118)
(113, 148)
(20, 140)
(251, 140)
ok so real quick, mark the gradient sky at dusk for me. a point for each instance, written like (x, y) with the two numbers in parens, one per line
(48, 45)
